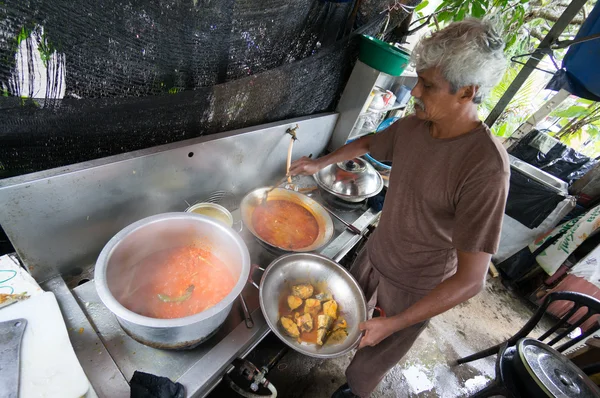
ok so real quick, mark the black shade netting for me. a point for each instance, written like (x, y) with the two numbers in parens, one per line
(83, 80)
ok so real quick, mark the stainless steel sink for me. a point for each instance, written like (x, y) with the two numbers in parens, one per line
(538, 175)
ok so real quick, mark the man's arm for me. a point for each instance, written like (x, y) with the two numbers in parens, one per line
(468, 280)
(306, 166)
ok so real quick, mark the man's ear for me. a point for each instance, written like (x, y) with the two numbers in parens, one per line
(467, 93)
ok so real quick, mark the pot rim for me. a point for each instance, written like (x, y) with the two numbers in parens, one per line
(127, 315)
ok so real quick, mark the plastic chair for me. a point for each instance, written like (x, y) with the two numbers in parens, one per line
(498, 387)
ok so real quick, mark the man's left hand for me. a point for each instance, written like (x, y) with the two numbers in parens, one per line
(376, 330)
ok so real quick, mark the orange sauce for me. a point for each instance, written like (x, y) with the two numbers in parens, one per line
(173, 283)
(285, 224)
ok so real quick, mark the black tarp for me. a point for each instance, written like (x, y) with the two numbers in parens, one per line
(530, 202)
(552, 156)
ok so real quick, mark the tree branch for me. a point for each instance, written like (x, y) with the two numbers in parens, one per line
(550, 16)
(538, 34)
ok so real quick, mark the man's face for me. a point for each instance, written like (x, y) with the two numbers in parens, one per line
(433, 98)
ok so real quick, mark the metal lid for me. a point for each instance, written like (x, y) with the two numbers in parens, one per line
(352, 179)
(553, 372)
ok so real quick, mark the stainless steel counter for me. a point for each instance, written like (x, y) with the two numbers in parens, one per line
(110, 357)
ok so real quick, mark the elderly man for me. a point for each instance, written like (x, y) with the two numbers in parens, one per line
(443, 211)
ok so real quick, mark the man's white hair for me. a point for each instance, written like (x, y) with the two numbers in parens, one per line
(469, 52)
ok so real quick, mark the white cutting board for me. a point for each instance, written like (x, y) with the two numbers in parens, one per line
(49, 367)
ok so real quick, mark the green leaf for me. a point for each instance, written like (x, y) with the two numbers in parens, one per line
(477, 10)
(593, 130)
(501, 131)
(422, 5)
(573, 111)
(585, 101)
(444, 16)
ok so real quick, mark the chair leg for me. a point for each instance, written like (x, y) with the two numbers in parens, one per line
(478, 355)
(494, 388)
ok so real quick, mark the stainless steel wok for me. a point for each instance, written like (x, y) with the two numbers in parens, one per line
(297, 268)
(254, 198)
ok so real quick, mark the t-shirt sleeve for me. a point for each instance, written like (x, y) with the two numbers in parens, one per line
(382, 144)
(479, 213)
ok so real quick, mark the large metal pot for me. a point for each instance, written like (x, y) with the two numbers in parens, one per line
(324, 221)
(160, 232)
(318, 270)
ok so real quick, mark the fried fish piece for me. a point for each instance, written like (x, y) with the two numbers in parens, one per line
(337, 336)
(340, 323)
(324, 322)
(305, 323)
(303, 291)
(290, 327)
(312, 306)
(330, 308)
(294, 302)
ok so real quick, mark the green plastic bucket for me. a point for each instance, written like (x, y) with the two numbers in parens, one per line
(382, 56)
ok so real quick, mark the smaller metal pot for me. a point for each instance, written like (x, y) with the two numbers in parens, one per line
(212, 210)
(353, 180)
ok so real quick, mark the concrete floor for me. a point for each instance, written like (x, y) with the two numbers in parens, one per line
(427, 370)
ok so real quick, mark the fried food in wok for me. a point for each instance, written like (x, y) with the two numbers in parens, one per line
(318, 322)
(324, 323)
(337, 336)
(312, 306)
(305, 323)
(294, 302)
(290, 327)
(303, 291)
(330, 308)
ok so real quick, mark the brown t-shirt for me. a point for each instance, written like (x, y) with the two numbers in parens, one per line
(444, 195)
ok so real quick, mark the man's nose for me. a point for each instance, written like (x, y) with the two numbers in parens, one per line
(416, 91)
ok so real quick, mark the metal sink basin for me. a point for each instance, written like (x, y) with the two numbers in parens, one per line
(538, 175)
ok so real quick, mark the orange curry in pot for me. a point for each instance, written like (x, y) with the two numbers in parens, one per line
(285, 224)
(173, 283)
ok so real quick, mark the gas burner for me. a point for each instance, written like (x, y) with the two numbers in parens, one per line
(271, 252)
(340, 204)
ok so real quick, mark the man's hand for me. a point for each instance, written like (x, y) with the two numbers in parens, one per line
(305, 166)
(376, 330)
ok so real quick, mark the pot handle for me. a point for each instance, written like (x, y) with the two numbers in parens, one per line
(254, 267)
(381, 311)
(238, 226)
